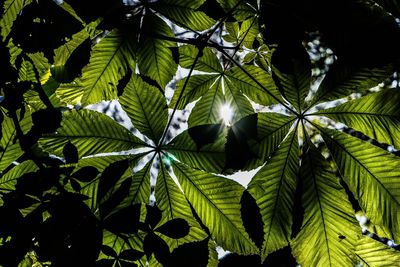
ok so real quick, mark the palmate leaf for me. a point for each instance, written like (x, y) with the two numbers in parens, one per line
(146, 107)
(9, 180)
(120, 244)
(101, 163)
(62, 53)
(210, 157)
(109, 61)
(10, 148)
(139, 191)
(217, 202)
(241, 106)
(272, 128)
(241, 10)
(11, 11)
(330, 229)
(243, 34)
(70, 58)
(264, 91)
(154, 56)
(377, 115)
(196, 87)
(372, 253)
(345, 78)
(274, 188)
(173, 203)
(207, 109)
(185, 14)
(207, 62)
(91, 132)
(291, 68)
(222, 93)
(371, 174)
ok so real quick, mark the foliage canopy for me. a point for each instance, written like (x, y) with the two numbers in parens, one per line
(78, 188)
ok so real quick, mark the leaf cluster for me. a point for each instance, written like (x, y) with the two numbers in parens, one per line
(79, 188)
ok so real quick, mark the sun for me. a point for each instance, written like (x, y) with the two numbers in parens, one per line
(226, 114)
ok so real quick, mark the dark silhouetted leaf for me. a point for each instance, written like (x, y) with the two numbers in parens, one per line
(123, 263)
(43, 26)
(75, 62)
(153, 215)
(194, 254)
(175, 54)
(154, 244)
(71, 234)
(75, 185)
(109, 251)
(131, 255)
(46, 120)
(116, 198)
(281, 258)
(175, 228)
(110, 177)
(90, 10)
(124, 81)
(86, 174)
(252, 219)
(70, 153)
(205, 134)
(237, 148)
(105, 263)
(125, 220)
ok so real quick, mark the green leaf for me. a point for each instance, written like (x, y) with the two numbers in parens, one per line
(185, 14)
(109, 61)
(243, 34)
(255, 83)
(120, 244)
(330, 229)
(10, 149)
(110, 177)
(173, 203)
(273, 187)
(140, 191)
(371, 174)
(100, 163)
(241, 106)
(70, 58)
(241, 10)
(11, 10)
(9, 180)
(272, 128)
(154, 56)
(208, 62)
(376, 115)
(291, 68)
(62, 53)
(196, 87)
(217, 202)
(208, 109)
(210, 157)
(344, 79)
(233, 29)
(91, 133)
(375, 254)
(146, 107)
